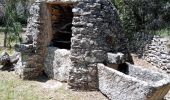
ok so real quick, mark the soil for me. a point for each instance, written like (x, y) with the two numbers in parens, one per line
(140, 62)
(43, 89)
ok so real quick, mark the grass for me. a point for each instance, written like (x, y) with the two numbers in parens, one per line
(164, 32)
(14, 88)
(8, 50)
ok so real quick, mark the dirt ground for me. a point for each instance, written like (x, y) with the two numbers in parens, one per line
(140, 62)
(14, 88)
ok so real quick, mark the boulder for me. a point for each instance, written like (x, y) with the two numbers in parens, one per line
(8, 62)
(5, 61)
(117, 58)
(57, 63)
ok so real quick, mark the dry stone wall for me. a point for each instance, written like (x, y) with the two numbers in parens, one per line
(158, 53)
(96, 31)
(31, 62)
(154, 49)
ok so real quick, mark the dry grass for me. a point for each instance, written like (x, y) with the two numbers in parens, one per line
(2, 49)
(13, 88)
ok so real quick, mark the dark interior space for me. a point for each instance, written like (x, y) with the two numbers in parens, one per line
(123, 68)
(61, 18)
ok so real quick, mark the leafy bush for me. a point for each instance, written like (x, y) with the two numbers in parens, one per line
(1, 21)
(137, 15)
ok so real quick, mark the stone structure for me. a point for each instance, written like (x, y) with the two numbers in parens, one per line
(57, 63)
(67, 39)
(158, 53)
(137, 84)
(88, 28)
(154, 49)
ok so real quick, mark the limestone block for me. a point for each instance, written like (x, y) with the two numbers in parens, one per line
(118, 86)
(117, 58)
(57, 63)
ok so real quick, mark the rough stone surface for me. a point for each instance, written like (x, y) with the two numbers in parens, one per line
(4, 58)
(154, 49)
(6, 62)
(33, 49)
(57, 63)
(118, 86)
(118, 58)
(96, 31)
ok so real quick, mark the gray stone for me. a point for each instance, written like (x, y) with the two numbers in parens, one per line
(4, 58)
(117, 58)
(134, 86)
(58, 63)
(152, 48)
(7, 62)
(96, 30)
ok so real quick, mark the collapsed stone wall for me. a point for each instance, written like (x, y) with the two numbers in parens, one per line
(154, 49)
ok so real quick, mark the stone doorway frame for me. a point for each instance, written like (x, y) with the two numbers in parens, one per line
(49, 18)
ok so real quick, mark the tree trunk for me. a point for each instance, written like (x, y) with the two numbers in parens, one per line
(5, 39)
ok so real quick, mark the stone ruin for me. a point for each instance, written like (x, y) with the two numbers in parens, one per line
(82, 32)
(67, 39)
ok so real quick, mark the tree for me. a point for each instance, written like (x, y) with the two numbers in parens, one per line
(12, 25)
(139, 15)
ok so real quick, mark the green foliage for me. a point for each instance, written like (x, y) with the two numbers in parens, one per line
(13, 27)
(126, 16)
(164, 32)
(137, 15)
(22, 17)
(9, 91)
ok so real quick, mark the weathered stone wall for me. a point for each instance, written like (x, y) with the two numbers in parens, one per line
(154, 49)
(34, 46)
(158, 53)
(29, 67)
(118, 86)
(96, 31)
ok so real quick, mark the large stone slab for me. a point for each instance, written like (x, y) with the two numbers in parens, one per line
(139, 84)
(57, 63)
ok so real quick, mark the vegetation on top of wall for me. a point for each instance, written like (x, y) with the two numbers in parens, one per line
(164, 32)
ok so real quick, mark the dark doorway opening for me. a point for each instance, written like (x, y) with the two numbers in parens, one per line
(61, 18)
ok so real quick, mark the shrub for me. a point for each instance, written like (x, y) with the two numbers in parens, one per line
(137, 15)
